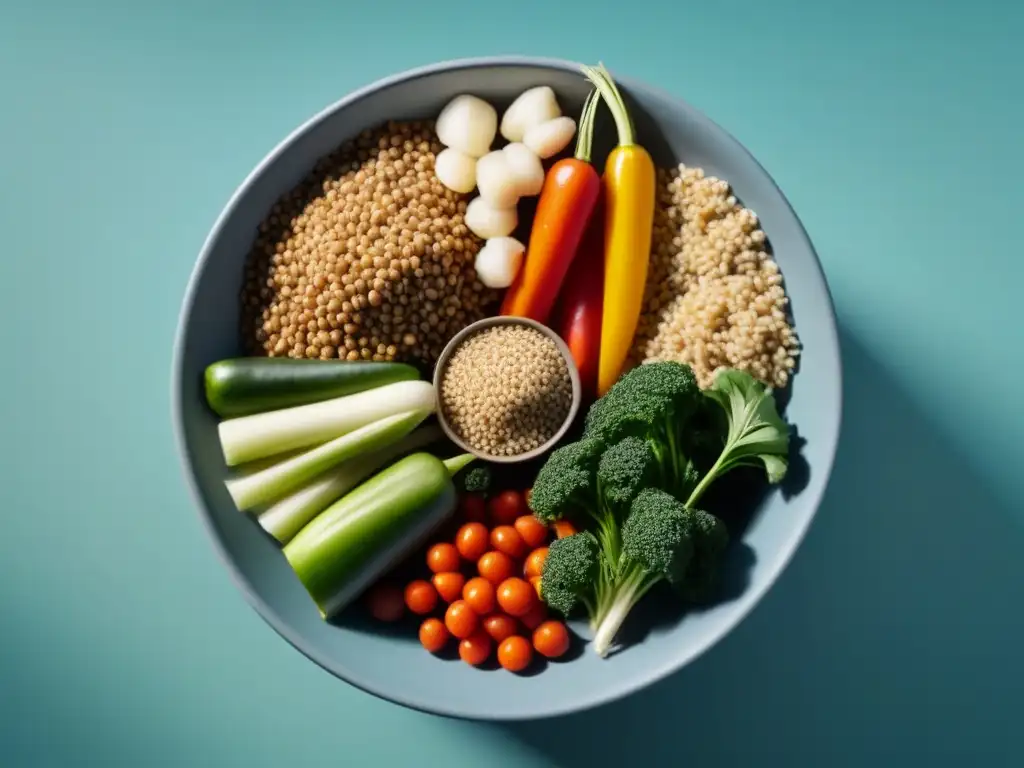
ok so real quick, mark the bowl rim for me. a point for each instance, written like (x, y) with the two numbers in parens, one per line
(750, 598)
(482, 325)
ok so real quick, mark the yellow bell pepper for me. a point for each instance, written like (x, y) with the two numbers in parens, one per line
(629, 189)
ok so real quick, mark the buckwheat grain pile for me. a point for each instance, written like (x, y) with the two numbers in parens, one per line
(369, 258)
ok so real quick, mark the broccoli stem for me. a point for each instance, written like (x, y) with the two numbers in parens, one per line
(609, 541)
(723, 464)
(604, 591)
(675, 482)
(604, 594)
(627, 593)
(706, 481)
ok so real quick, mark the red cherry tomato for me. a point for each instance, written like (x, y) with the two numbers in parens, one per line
(460, 619)
(472, 541)
(475, 649)
(449, 585)
(386, 602)
(515, 653)
(499, 626)
(473, 508)
(420, 596)
(536, 616)
(563, 529)
(443, 557)
(516, 597)
(533, 531)
(535, 582)
(506, 538)
(479, 595)
(495, 567)
(506, 507)
(433, 635)
(534, 564)
(551, 639)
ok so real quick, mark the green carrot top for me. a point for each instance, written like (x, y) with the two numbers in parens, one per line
(585, 136)
(603, 82)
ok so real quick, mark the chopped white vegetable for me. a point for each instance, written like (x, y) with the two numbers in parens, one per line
(288, 515)
(247, 438)
(279, 480)
(496, 180)
(468, 124)
(456, 170)
(532, 107)
(485, 221)
(526, 168)
(549, 138)
(499, 261)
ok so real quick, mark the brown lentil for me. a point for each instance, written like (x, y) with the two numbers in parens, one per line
(714, 296)
(506, 390)
(367, 258)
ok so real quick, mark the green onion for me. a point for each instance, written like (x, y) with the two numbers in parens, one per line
(260, 435)
(286, 517)
(277, 481)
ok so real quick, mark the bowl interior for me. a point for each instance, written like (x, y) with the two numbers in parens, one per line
(390, 663)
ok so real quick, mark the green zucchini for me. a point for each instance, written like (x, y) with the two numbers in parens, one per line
(358, 538)
(247, 385)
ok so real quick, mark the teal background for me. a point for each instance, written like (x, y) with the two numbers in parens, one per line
(893, 127)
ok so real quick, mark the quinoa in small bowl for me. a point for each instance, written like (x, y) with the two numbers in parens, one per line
(508, 389)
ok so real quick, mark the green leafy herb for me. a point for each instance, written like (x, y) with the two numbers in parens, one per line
(756, 434)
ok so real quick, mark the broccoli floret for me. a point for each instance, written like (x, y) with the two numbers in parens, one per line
(656, 537)
(650, 448)
(656, 546)
(566, 481)
(689, 480)
(645, 402)
(477, 480)
(625, 469)
(571, 570)
(654, 402)
(710, 538)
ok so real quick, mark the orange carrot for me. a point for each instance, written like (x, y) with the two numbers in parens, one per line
(567, 199)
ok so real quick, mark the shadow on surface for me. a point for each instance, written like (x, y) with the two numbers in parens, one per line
(903, 605)
(661, 609)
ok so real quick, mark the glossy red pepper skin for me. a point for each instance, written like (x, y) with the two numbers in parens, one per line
(580, 305)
